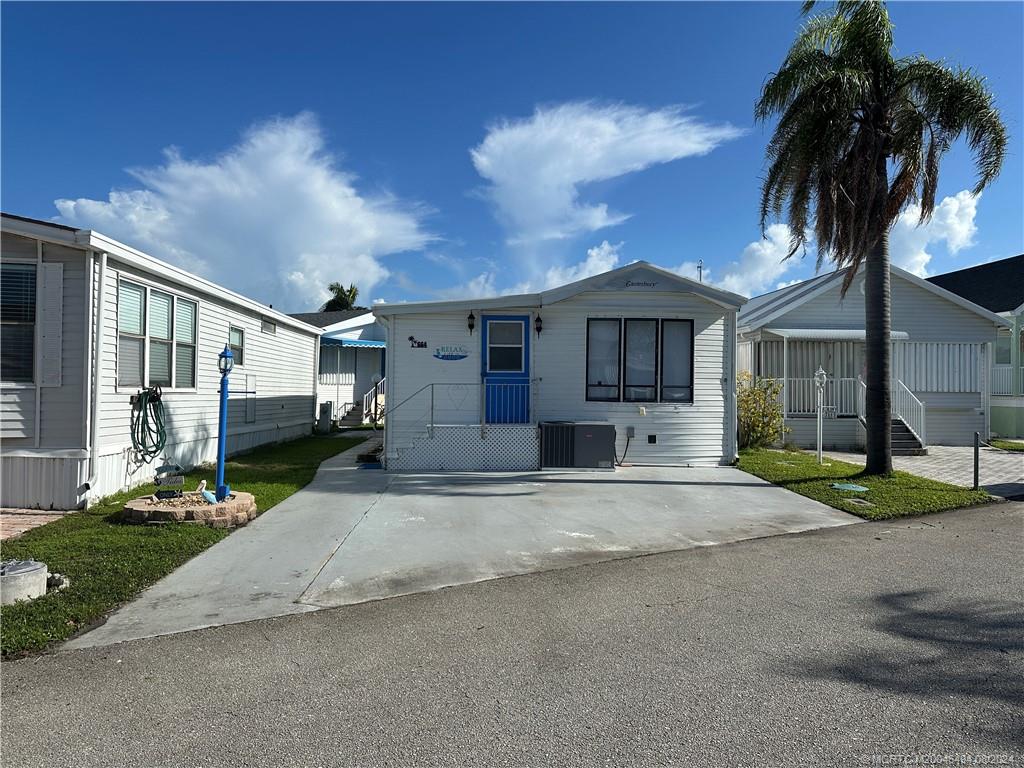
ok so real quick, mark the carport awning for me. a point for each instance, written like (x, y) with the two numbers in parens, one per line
(363, 343)
(830, 334)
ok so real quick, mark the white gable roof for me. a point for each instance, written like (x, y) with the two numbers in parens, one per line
(764, 309)
(639, 276)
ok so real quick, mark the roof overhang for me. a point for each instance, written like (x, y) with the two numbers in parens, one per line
(639, 277)
(830, 334)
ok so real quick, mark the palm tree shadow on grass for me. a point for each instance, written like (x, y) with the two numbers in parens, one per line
(947, 649)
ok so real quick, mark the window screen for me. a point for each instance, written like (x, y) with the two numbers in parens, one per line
(17, 322)
(603, 359)
(184, 344)
(641, 354)
(236, 341)
(131, 341)
(677, 361)
(505, 346)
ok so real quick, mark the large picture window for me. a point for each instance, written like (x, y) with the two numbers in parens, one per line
(17, 322)
(639, 360)
(156, 338)
(603, 359)
(677, 361)
(640, 366)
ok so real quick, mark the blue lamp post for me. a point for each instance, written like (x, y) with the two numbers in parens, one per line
(225, 362)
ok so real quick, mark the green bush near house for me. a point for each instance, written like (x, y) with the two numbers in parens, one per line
(758, 411)
(109, 562)
(897, 495)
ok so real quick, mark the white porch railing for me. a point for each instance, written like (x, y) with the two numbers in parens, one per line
(909, 409)
(904, 406)
(801, 399)
(1002, 379)
(373, 403)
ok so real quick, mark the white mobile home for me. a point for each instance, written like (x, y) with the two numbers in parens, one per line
(998, 286)
(352, 354)
(941, 348)
(89, 322)
(638, 349)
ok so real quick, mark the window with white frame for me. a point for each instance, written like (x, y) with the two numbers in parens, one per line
(156, 338)
(505, 346)
(236, 342)
(639, 360)
(17, 322)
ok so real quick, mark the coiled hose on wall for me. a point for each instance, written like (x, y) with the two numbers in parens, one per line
(148, 434)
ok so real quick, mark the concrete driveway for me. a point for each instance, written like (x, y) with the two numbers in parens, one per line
(355, 535)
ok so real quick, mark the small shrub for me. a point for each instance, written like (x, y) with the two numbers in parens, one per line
(759, 411)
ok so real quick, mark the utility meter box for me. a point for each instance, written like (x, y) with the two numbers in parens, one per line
(324, 419)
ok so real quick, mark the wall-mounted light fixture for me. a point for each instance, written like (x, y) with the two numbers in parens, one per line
(538, 325)
(471, 322)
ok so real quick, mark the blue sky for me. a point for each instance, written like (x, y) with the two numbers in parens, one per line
(428, 151)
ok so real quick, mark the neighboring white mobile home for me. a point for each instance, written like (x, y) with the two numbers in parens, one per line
(941, 352)
(638, 349)
(352, 354)
(998, 286)
(89, 322)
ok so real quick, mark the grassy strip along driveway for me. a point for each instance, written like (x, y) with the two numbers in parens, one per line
(109, 562)
(898, 495)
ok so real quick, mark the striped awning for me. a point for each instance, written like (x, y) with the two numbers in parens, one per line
(830, 334)
(362, 343)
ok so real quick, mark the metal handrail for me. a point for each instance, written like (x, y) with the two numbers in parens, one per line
(910, 410)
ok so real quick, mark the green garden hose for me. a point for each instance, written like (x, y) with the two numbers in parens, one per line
(148, 434)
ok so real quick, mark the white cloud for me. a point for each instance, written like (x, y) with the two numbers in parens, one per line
(536, 166)
(273, 217)
(600, 258)
(758, 268)
(952, 223)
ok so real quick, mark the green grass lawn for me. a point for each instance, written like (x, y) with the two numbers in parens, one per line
(1008, 445)
(899, 495)
(109, 562)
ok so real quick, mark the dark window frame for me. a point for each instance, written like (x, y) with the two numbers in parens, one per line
(618, 364)
(659, 361)
(656, 386)
(661, 357)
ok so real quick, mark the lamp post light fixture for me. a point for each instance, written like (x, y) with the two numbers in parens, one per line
(225, 362)
(820, 379)
(538, 325)
(471, 322)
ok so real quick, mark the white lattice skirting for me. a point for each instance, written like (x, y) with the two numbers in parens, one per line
(503, 448)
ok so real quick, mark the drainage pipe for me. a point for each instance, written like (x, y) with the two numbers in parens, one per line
(99, 318)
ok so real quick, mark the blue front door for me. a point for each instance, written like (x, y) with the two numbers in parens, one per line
(506, 368)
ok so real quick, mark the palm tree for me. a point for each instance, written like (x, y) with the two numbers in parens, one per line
(860, 136)
(342, 298)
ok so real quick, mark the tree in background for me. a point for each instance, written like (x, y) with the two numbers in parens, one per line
(860, 135)
(342, 298)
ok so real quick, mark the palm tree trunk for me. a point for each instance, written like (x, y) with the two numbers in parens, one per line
(878, 353)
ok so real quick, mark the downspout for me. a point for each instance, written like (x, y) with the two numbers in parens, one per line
(99, 318)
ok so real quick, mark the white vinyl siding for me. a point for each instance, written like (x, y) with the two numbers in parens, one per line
(697, 432)
(281, 367)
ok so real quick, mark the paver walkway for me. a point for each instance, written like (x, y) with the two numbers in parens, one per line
(14, 522)
(1001, 472)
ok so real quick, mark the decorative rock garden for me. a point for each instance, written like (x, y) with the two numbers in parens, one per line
(238, 509)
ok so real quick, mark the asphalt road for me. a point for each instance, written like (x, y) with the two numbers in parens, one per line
(829, 647)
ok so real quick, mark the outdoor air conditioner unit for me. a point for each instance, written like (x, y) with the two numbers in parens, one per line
(582, 445)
